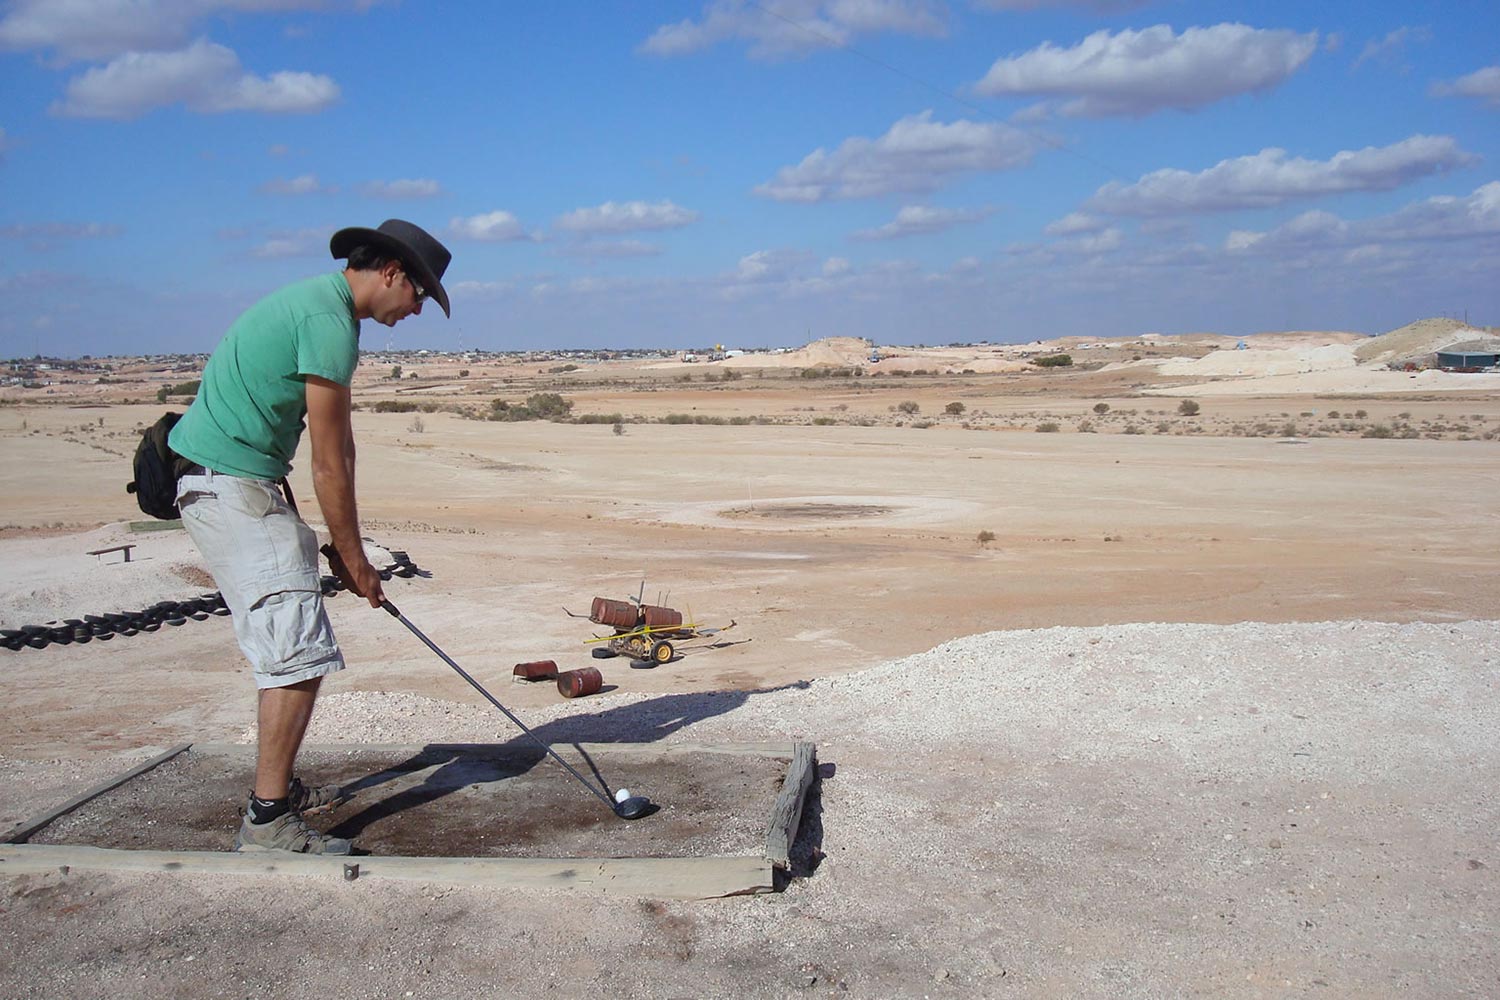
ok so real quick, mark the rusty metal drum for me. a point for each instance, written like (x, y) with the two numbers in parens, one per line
(617, 614)
(537, 670)
(657, 616)
(577, 683)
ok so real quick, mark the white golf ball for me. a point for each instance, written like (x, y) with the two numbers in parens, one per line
(622, 794)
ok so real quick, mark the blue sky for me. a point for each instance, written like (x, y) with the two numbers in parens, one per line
(752, 174)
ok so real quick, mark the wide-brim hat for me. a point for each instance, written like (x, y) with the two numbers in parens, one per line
(424, 257)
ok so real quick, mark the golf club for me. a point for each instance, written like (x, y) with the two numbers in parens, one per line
(633, 807)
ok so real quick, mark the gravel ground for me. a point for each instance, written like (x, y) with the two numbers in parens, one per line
(1139, 810)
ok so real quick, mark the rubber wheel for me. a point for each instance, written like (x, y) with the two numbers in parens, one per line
(662, 652)
(602, 653)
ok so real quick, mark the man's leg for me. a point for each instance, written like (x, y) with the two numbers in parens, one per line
(283, 717)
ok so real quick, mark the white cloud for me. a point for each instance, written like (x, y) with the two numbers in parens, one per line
(1099, 6)
(913, 220)
(1443, 218)
(491, 227)
(103, 29)
(777, 28)
(835, 266)
(59, 230)
(302, 184)
(1141, 72)
(610, 248)
(279, 149)
(1074, 223)
(308, 242)
(205, 77)
(1483, 84)
(416, 187)
(627, 217)
(1270, 178)
(770, 265)
(1388, 50)
(1093, 243)
(916, 154)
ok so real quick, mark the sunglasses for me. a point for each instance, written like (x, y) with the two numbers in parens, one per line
(421, 292)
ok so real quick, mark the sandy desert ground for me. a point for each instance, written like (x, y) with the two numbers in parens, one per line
(1210, 712)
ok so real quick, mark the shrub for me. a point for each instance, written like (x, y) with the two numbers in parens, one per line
(1163, 427)
(1333, 414)
(908, 407)
(954, 409)
(562, 369)
(1132, 429)
(416, 426)
(619, 427)
(1189, 408)
(921, 425)
(394, 406)
(1053, 361)
(181, 389)
(549, 405)
(599, 418)
(395, 371)
(1049, 427)
(1086, 427)
(823, 421)
(463, 373)
(1101, 408)
(1360, 414)
(985, 537)
(1376, 431)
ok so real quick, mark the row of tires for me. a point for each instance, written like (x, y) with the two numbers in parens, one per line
(171, 613)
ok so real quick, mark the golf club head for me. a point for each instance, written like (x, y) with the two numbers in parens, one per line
(635, 807)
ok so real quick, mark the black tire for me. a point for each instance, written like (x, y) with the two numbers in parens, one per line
(602, 653)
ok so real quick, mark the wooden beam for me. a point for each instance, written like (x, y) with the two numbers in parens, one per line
(659, 878)
(21, 831)
(786, 814)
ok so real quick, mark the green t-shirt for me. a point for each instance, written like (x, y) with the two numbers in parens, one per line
(251, 408)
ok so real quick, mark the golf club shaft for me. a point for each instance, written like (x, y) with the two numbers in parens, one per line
(395, 613)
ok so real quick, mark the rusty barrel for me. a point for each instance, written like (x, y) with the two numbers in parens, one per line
(657, 616)
(537, 670)
(618, 614)
(577, 683)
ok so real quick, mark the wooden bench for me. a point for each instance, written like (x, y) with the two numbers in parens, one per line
(113, 548)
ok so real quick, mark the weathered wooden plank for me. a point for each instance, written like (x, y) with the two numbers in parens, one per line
(23, 830)
(786, 814)
(659, 878)
(748, 749)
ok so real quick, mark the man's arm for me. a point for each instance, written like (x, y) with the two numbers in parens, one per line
(332, 435)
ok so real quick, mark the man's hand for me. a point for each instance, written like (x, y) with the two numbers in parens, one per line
(363, 579)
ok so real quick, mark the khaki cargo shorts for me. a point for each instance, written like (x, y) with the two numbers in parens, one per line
(265, 560)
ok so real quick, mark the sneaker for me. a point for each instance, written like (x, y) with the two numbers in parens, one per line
(288, 832)
(315, 799)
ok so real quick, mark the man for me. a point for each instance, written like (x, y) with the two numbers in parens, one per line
(286, 363)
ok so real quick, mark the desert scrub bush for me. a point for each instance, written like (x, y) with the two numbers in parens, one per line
(693, 418)
(1053, 361)
(954, 409)
(562, 369)
(181, 389)
(921, 425)
(416, 426)
(906, 406)
(823, 421)
(549, 405)
(1189, 408)
(599, 418)
(1360, 414)
(394, 406)
(1289, 429)
(1048, 427)
(985, 537)
(1132, 429)
(619, 428)
(1086, 427)
(1377, 431)
(1333, 414)
(1163, 427)
(395, 371)
(1101, 408)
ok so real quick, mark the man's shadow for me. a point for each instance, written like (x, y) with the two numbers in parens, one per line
(457, 765)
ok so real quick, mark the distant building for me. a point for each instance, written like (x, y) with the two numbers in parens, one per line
(1467, 360)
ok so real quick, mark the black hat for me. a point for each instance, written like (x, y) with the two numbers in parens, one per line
(424, 257)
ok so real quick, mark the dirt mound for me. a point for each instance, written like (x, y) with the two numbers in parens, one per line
(1415, 339)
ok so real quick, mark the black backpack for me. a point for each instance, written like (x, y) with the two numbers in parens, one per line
(157, 469)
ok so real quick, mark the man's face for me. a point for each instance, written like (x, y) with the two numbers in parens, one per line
(397, 297)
